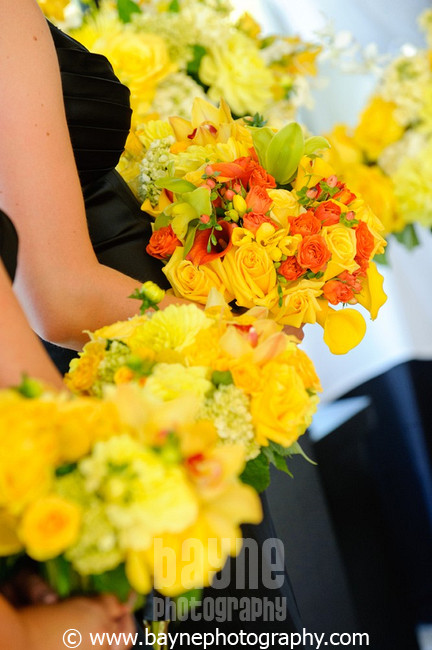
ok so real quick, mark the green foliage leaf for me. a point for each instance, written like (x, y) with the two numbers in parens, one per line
(30, 388)
(126, 8)
(315, 143)
(257, 473)
(261, 137)
(284, 153)
(199, 199)
(194, 65)
(174, 6)
(408, 236)
(161, 221)
(296, 449)
(382, 258)
(114, 582)
(222, 378)
(178, 185)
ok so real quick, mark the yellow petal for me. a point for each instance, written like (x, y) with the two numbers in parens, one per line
(203, 111)
(372, 295)
(343, 329)
(137, 572)
(154, 211)
(181, 127)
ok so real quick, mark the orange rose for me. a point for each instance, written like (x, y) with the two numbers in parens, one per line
(336, 291)
(258, 201)
(291, 269)
(328, 213)
(305, 224)
(163, 243)
(261, 178)
(252, 221)
(313, 253)
(364, 243)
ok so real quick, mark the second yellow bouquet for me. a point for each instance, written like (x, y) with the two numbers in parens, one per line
(244, 376)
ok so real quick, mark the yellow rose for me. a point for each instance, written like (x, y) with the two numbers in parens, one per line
(303, 365)
(377, 128)
(341, 242)
(283, 410)
(192, 282)
(284, 205)
(252, 276)
(247, 376)
(49, 526)
(299, 303)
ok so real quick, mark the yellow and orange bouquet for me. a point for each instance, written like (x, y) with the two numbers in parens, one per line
(257, 215)
(244, 376)
(103, 492)
(169, 52)
(388, 155)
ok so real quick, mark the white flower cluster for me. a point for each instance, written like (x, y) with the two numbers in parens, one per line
(229, 409)
(154, 165)
(173, 96)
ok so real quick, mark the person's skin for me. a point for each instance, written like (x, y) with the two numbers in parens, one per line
(41, 627)
(59, 282)
(22, 352)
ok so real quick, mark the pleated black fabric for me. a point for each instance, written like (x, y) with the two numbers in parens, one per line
(98, 116)
(8, 244)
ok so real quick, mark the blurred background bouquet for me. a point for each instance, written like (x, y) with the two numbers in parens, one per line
(169, 52)
(388, 155)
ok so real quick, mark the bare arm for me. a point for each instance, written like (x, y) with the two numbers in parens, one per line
(59, 281)
(22, 352)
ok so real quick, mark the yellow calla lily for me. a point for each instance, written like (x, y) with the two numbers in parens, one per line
(343, 329)
(372, 295)
(162, 204)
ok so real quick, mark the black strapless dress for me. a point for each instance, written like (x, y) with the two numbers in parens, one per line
(8, 245)
(98, 115)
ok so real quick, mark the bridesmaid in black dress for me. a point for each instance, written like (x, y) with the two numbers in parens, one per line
(98, 113)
